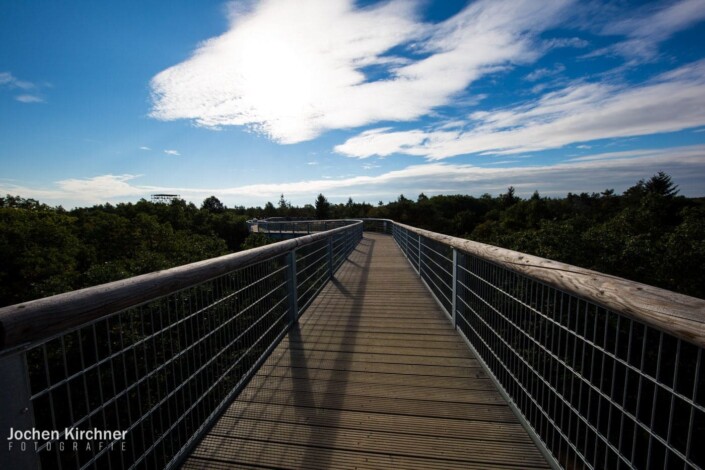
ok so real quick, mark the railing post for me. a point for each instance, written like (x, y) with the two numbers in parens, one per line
(419, 254)
(330, 257)
(454, 303)
(293, 294)
(16, 412)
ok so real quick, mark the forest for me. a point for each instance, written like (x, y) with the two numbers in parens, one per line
(649, 234)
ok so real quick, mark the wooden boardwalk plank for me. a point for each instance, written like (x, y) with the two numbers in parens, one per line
(374, 376)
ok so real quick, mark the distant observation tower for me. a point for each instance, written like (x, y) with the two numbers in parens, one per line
(166, 198)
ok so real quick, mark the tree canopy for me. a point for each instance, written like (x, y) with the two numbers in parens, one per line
(649, 234)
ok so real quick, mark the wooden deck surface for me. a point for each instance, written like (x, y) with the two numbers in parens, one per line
(373, 377)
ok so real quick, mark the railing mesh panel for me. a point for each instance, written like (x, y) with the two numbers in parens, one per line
(437, 271)
(312, 271)
(598, 388)
(158, 371)
(163, 370)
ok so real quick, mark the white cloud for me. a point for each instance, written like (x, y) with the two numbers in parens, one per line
(555, 43)
(675, 152)
(541, 73)
(617, 170)
(580, 112)
(82, 191)
(645, 29)
(621, 170)
(30, 95)
(294, 69)
(100, 187)
(145, 148)
(29, 99)
(8, 80)
(172, 152)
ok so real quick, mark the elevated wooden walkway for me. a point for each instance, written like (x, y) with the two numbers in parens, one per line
(373, 377)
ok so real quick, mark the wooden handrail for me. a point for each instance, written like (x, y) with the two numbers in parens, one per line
(44, 318)
(680, 315)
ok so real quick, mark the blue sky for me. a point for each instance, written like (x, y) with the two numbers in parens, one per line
(246, 100)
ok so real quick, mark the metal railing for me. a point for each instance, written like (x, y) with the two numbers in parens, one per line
(378, 225)
(603, 372)
(282, 228)
(153, 359)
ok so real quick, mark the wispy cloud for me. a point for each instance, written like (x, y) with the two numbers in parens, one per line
(31, 90)
(8, 80)
(293, 69)
(172, 152)
(580, 112)
(99, 189)
(145, 148)
(653, 24)
(542, 73)
(617, 170)
(575, 42)
(29, 99)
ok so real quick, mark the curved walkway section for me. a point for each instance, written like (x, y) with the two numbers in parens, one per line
(374, 376)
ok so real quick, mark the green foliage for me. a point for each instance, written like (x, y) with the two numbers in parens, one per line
(39, 250)
(213, 204)
(649, 234)
(255, 240)
(46, 251)
(322, 207)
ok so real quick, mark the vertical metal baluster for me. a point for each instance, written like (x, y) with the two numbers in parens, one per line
(582, 371)
(614, 376)
(83, 379)
(68, 390)
(602, 376)
(140, 412)
(147, 367)
(673, 401)
(638, 395)
(553, 405)
(124, 376)
(454, 294)
(531, 383)
(156, 411)
(291, 287)
(573, 379)
(626, 387)
(656, 392)
(419, 257)
(178, 385)
(16, 391)
(692, 405)
(100, 387)
(51, 397)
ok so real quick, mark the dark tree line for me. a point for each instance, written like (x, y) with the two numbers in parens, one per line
(648, 234)
(47, 250)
